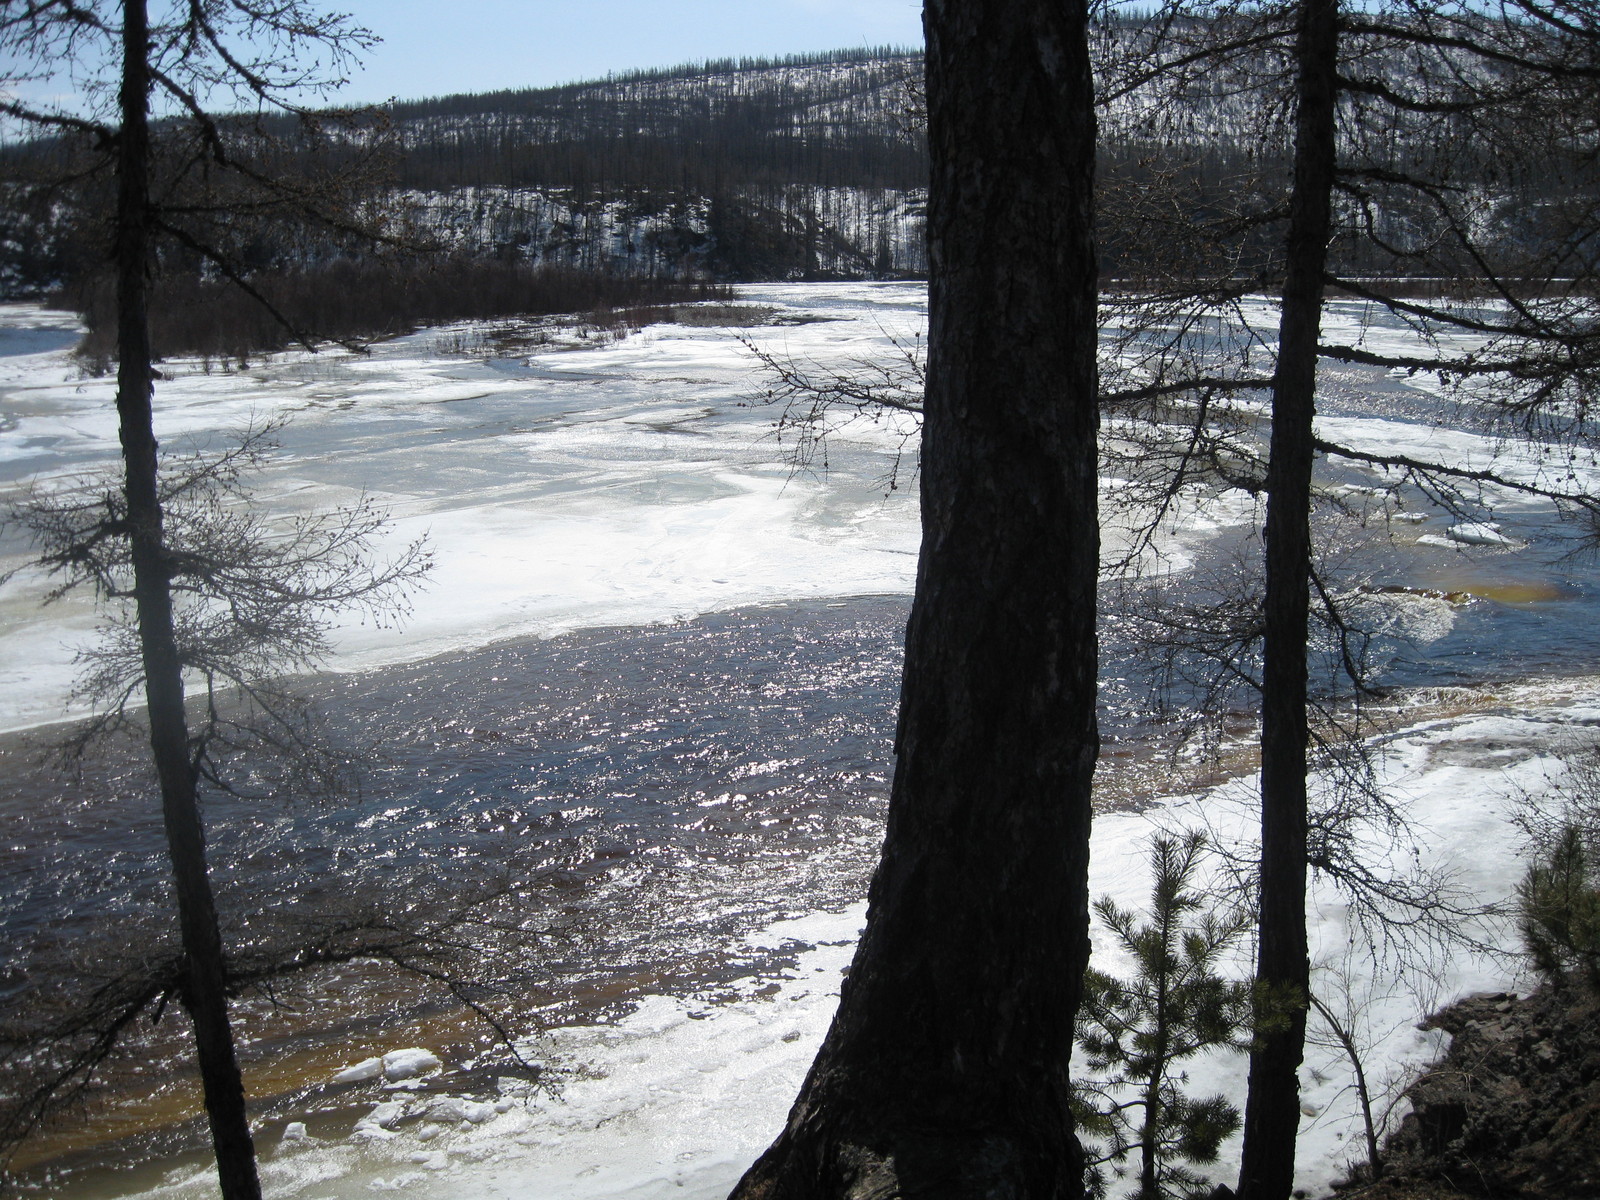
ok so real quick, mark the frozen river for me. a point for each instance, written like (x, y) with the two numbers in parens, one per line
(614, 483)
(693, 773)
(605, 484)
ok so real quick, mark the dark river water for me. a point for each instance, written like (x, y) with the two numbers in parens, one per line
(613, 758)
(645, 796)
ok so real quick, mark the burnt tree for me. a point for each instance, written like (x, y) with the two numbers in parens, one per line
(204, 989)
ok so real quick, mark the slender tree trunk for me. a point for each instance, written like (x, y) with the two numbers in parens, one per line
(1150, 1134)
(945, 1073)
(1149, 1183)
(1347, 1042)
(1272, 1109)
(204, 988)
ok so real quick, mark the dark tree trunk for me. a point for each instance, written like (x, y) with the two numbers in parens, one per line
(205, 986)
(1272, 1109)
(1150, 1132)
(945, 1071)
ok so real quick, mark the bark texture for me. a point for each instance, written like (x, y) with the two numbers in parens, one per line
(1272, 1108)
(945, 1071)
(205, 985)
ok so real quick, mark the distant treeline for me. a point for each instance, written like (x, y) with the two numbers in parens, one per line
(355, 300)
(827, 120)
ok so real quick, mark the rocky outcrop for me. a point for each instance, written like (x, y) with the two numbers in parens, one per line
(1513, 1108)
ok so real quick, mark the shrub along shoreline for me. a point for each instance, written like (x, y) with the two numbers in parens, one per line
(353, 301)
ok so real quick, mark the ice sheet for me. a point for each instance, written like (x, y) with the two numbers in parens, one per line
(619, 482)
(623, 483)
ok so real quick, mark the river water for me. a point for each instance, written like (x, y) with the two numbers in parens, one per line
(651, 687)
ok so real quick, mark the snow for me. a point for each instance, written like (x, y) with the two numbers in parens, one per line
(408, 1064)
(367, 1068)
(563, 225)
(627, 483)
(1471, 533)
(381, 1119)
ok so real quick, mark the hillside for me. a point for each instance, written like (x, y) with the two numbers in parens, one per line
(806, 167)
(814, 167)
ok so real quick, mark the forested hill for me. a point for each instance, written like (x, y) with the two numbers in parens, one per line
(829, 120)
(812, 166)
(806, 167)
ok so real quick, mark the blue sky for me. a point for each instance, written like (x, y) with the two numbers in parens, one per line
(431, 48)
(484, 45)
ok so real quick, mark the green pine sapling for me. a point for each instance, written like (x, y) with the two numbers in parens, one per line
(1559, 910)
(1135, 1033)
(1558, 900)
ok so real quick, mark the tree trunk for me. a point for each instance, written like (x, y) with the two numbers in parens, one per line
(945, 1071)
(1272, 1108)
(1150, 1134)
(205, 987)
